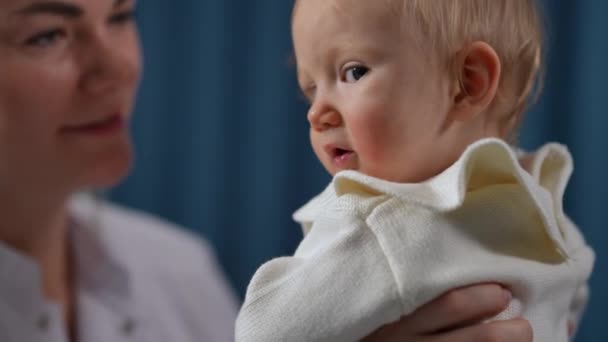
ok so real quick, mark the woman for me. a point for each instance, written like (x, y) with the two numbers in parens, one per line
(76, 269)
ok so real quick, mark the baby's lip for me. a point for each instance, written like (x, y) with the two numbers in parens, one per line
(341, 156)
(335, 151)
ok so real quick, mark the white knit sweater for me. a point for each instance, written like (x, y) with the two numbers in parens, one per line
(374, 250)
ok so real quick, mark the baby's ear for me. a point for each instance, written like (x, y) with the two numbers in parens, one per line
(477, 70)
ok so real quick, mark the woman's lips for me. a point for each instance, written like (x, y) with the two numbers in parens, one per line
(107, 126)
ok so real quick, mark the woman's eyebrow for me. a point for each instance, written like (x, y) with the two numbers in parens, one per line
(59, 8)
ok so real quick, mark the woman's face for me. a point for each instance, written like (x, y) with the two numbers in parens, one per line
(69, 70)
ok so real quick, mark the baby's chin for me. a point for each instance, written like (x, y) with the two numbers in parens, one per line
(403, 176)
(396, 175)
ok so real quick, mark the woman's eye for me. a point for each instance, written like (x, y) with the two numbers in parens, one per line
(45, 39)
(353, 74)
(123, 17)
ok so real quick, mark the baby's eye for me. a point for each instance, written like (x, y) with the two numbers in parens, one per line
(308, 93)
(354, 73)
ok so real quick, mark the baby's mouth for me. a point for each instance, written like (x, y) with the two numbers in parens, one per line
(342, 158)
(339, 152)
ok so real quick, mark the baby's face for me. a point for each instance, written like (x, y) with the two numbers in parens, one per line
(378, 102)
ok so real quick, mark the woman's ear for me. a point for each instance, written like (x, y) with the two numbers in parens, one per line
(478, 75)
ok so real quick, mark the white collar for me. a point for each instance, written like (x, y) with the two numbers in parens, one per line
(97, 270)
(485, 162)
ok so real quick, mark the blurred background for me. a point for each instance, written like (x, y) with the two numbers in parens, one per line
(222, 138)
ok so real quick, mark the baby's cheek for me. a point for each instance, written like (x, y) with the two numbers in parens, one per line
(372, 136)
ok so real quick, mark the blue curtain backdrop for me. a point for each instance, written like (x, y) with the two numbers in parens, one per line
(222, 138)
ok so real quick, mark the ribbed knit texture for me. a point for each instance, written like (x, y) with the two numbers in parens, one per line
(374, 250)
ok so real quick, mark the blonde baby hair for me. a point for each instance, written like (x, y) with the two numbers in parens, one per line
(512, 27)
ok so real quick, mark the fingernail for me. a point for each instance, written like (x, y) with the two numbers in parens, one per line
(508, 295)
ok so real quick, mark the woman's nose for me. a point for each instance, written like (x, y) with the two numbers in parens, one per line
(108, 67)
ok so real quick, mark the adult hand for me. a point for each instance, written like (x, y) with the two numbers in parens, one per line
(457, 316)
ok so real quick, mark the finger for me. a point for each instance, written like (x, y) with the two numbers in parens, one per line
(515, 330)
(459, 307)
(571, 328)
(394, 332)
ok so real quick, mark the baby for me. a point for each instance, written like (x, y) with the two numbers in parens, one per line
(412, 105)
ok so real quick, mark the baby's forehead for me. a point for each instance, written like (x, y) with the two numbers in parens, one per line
(350, 9)
(343, 16)
(355, 26)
